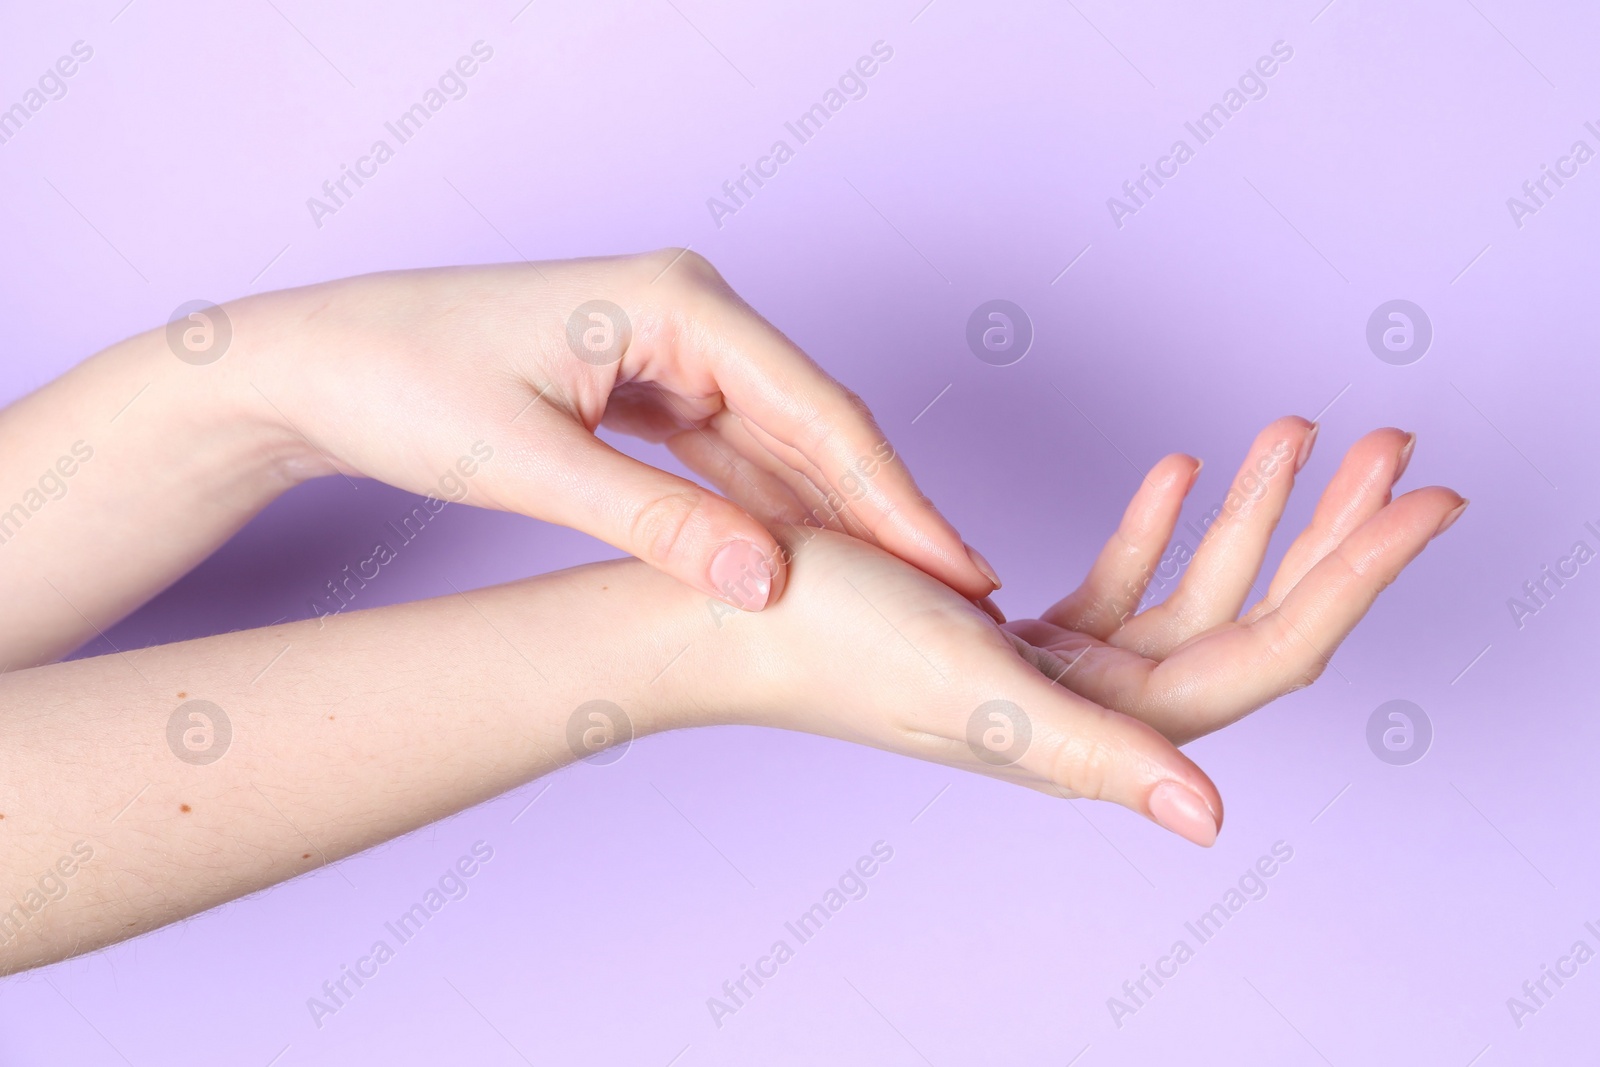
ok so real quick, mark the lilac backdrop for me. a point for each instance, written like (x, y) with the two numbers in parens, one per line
(977, 166)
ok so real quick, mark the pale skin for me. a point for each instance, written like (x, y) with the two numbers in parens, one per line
(394, 376)
(380, 721)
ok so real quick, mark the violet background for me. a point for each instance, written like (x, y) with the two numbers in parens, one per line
(977, 166)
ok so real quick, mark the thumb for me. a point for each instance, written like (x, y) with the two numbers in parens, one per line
(671, 523)
(1081, 749)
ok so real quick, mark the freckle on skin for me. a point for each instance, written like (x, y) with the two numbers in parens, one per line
(306, 856)
(182, 696)
(184, 807)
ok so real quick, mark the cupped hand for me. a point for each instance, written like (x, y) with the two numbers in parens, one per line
(1199, 660)
(1092, 698)
(395, 376)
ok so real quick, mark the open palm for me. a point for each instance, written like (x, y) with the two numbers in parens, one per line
(1092, 698)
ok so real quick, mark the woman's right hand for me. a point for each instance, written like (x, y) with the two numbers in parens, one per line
(1087, 701)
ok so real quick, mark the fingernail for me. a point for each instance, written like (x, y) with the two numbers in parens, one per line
(742, 575)
(1181, 810)
(1199, 465)
(1405, 455)
(982, 564)
(993, 609)
(1306, 447)
(1449, 520)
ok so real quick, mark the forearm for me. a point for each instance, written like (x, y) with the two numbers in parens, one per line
(344, 733)
(115, 480)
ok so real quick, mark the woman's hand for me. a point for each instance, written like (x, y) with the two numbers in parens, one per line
(394, 376)
(422, 709)
(867, 649)
(1194, 663)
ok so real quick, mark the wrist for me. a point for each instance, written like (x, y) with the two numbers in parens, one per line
(198, 429)
(667, 655)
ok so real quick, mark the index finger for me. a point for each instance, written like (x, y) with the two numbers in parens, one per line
(817, 426)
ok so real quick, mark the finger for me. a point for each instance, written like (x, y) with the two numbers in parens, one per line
(1232, 673)
(766, 380)
(1081, 749)
(1224, 568)
(1359, 489)
(668, 522)
(822, 508)
(715, 447)
(1116, 583)
(735, 477)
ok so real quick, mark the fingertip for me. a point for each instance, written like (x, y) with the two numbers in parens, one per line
(992, 610)
(1307, 443)
(748, 572)
(1178, 807)
(1177, 470)
(983, 565)
(1451, 516)
(1403, 457)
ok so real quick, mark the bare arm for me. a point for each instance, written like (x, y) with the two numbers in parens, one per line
(348, 731)
(466, 383)
(368, 726)
(376, 722)
(115, 480)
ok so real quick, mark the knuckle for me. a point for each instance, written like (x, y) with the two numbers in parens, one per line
(682, 266)
(660, 528)
(1290, 656)
(1085, 765)
(820, 424)
(857, 405)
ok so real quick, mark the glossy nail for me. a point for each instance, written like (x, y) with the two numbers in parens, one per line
(1306, 446)
(1405, 455)
(1450, 519)
(982, 564)
(742, 575)
(992, 609)
(1183, 811)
